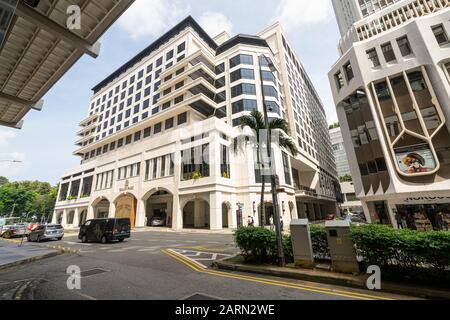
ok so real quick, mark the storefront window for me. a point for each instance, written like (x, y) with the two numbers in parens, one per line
(424, 217)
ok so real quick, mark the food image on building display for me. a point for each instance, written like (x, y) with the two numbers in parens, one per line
(418, 160)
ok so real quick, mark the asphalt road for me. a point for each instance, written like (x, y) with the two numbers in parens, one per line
(158, 265)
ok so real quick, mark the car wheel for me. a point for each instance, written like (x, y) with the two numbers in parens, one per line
(59, 239)
(121, 239)
(104, 240)
(84, 239)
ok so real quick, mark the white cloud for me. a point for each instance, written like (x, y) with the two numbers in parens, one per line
(296, 13)
(215, 23)
(5, 136)
(151, 18)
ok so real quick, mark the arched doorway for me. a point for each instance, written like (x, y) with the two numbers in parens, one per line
(159, 208)
(226, 215)
(196, 215)
(268, 212)
(101, 209)
(126, 208)
(70, 217)
(59, 217)
(82, 219)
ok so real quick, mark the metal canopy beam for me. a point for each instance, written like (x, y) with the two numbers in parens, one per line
(52, 27)
(25, 103)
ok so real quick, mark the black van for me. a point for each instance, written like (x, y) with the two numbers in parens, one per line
(105, 230)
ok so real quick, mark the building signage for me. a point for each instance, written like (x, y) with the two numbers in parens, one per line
(421, 200)
(415, 160)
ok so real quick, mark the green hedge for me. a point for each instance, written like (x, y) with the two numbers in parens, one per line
(406, 254)
(319, 242)
(259, 245)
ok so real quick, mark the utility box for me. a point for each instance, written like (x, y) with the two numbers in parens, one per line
(301, 244)
(342, 249)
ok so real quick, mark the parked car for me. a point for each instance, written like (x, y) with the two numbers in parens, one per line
(46, 232)
(157, 222)
(355, 218)
(105, 230)
(330, 217)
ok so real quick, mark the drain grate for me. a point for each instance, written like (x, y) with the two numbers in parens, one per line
(92, 272)
(201, 297)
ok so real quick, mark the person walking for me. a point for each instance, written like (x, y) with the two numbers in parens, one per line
(271, 223)
(250, 221)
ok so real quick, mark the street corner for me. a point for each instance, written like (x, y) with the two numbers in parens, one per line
(14, 254)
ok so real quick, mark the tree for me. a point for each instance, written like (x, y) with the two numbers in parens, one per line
(3, 180)
(255, 121)
(346, 178)
(31, 197)
(334, 126)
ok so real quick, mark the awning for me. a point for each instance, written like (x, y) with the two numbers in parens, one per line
(38, 48)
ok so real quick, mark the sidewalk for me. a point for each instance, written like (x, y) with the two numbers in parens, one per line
(321, 276)
(168, 230)
(11, 254)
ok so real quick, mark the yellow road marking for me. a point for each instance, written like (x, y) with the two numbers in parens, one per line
(199, 248)
(334, 292)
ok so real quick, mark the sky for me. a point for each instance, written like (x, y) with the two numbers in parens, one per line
(46, 142)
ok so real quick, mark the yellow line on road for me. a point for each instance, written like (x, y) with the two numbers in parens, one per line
(204, 249)
(283, 284)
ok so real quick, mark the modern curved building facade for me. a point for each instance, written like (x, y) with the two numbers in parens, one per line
(157, 141)
(391, 88)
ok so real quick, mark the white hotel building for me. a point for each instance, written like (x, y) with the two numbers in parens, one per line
(150, 122)
(391, 87)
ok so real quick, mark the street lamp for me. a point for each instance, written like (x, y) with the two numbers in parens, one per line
(273, 177)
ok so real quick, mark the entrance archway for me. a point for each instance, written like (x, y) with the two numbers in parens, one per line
(226, 215)
(83, 217)
(159, 208)
(70, 218)
(268, 212)
(101, 209)
(196, 215)
(126, 208)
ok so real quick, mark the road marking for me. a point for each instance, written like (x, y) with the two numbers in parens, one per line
(203, 249)
(78, 243)
(334, 292)
(149, 249)
(125, 249)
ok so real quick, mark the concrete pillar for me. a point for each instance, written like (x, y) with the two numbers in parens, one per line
(169, 212)
(64, 219)
(391, 213)
(140, 214)
(76, 217)
(215, 209)
(55, 214)
(112, 210)
(177, 214)
(233, 217)
(199, 214)
(90, 212)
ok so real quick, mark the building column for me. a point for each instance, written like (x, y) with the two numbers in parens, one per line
(199, 214)
(233, 208)
(112, 210)
(140, 214)
(90, 212)
(169, 211)
(177, 214)
(76, 217)
(215, 211)
(391, 213)
(55, 214)
(64, 219)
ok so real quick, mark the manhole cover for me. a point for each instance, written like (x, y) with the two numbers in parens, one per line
(200, 296)
(92, 272)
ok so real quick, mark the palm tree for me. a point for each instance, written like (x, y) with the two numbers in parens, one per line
(255, 121)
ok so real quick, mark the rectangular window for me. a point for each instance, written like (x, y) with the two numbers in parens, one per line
(348, 71)
(157, 128)
(181, 47)
(169, 55)
(404, 46)
(287, 170)
(169, 124)
(339, 80)
(242, 74)
(373, 57)
(388, 52)
(241, 59)
(244, 105)
(182, 118)
(244, 88)
(147, 132)
(440, 34)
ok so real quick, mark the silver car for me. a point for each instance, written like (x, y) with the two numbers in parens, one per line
(46, 232)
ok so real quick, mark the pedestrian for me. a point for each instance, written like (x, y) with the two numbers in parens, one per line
(250, 221)
(271, 223)
(281, 223)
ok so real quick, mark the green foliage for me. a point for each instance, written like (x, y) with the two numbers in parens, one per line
(334, 125)
(31, 197)
(196, 175)
(346, 178)
(259, 245)
(3, 180)
(406, 254)
(7, 234)
(319, 241)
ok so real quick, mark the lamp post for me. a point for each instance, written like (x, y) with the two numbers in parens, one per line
(273, 176)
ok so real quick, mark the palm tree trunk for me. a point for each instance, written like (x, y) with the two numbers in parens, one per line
(263, 206)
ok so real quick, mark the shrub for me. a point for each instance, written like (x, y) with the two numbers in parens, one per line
(259, 245)
(319, 241)
(404, 254)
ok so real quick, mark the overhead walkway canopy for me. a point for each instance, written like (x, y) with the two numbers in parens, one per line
(37, 48)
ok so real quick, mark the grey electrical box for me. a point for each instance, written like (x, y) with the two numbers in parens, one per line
(301, 243)
(342, 249)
